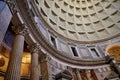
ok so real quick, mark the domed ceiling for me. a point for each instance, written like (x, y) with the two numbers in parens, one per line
(82, 20)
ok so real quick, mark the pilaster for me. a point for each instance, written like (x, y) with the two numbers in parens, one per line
(34, 48)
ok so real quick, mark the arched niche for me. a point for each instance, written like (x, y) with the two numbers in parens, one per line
(114, 49)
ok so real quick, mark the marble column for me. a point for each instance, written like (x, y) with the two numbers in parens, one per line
(14, 65)
(78, 75)
(88, 76)
(34, 62)
(45, 68)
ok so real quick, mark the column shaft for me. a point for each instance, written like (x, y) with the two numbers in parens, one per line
(88, 76)
(34, 67)
(78, 75)
(14, 65)
(45, 68)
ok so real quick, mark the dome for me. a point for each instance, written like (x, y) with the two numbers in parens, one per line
(82, 20)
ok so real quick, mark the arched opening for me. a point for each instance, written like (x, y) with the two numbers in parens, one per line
(114, 49)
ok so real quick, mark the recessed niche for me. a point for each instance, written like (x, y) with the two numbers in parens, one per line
(81, 33)
(94, 17)
(82, 36)
(77, 8)
(70, 26)
(79, 24)
(118, 21)
(114, 13)
(72, 34)
(101, 30)
(88, 27)
(61, 19)
(70, 17)
(116, 17)
(115, 0)
(56, 5)
(108, 6)
(62, 31)
(89, 1)
(111, 26)
(83, 2)
(53, 13)
(91, 9)
(46, 5)
(79, 27)
(97, 22)
(84, 9)
(91, 32)
(105, 18)
(78, 19)
(65, 4)
(77, 16)
(102, 15)
(52, 22)
(86, 19)
(100, 11)
(98, 25)
(113, 29)
(70, 23)
(61, 28)
(69, 14)
(88, 24)
(63, 11)
(116, 4)
(103, 0)
(72, 2)
(43, 12)
(71, 7)
(77, 3)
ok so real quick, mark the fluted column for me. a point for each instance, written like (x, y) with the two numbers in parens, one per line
(78, 75)
(14, 65)
(34, 62)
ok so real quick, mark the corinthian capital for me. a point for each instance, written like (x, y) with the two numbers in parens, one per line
(12, 5)
(34, 48)
(22, 30)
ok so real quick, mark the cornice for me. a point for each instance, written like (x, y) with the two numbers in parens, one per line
(40, 39)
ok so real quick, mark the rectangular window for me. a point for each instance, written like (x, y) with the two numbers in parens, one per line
(53, 41)
(94, 52)
(100, 70)
(74, 51)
